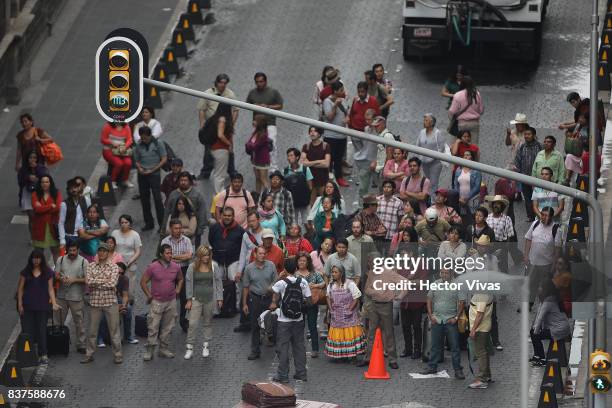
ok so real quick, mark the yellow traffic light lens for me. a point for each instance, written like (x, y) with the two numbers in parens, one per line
(119, 101)
(119, 59)
(119, 80)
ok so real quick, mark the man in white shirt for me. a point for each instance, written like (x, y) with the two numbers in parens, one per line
(543, 243)
(291, 326)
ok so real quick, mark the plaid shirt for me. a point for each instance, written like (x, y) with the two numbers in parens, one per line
(501, 226)
(283, 202)
(390, 212)
(179, 247)
(526, 155)
(102, 281)
(370, 222)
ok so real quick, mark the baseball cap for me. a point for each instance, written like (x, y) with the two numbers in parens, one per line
(267, 233)
(103, 247)
(431, 214)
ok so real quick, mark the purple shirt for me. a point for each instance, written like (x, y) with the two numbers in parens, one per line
(36, 290)
(163, 280)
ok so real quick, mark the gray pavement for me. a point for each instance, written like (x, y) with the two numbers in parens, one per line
(291, 41)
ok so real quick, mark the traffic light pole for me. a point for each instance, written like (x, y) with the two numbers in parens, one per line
(599, 285)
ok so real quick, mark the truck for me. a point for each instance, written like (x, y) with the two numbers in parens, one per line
(434, 27)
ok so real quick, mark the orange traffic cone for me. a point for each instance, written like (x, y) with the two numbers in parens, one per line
(377, 369)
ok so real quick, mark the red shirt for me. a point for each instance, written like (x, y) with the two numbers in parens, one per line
(463, 148)
(585, 163)
(45, 215)
(274, 255)
(358, 110)
(300, 245)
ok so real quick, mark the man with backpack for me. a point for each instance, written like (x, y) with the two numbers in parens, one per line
(298, 180)
(543, 242)
(150, 156)
(293, 293)
(283, 200)
(257, 281)
(72, 213)
(238, 198)
(415, 187)
(70, 269)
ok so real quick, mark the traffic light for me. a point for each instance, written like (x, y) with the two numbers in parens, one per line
(600, 372)
(119, 79)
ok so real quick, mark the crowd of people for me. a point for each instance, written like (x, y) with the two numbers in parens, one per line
(290, 255)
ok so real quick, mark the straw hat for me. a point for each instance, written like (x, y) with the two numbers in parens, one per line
(520, 118)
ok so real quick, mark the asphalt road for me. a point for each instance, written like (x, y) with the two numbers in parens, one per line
(291, 41)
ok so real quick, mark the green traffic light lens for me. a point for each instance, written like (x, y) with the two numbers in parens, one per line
(600, 383)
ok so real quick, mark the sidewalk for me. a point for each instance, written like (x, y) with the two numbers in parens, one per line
(61, 100)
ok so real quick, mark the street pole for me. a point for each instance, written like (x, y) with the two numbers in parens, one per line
(599, 282)
(597, 336)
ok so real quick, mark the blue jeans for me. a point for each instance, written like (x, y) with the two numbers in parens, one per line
(311, 315)
(438, 332)
(127, 326)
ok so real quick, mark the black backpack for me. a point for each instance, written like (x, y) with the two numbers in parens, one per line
(297, 184)
(293, 299)
(170, 156)
(208, 134)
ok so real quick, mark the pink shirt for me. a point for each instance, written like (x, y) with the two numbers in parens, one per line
(460, 101)
(163, 280)
(393, 167)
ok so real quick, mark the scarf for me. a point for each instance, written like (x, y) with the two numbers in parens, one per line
(226, 230)
(267, 214)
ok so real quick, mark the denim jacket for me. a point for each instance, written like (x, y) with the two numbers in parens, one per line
(475, 180)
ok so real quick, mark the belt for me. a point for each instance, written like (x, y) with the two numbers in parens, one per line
(256, 295)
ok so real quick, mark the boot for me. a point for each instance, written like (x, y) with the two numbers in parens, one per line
(205, 351)
(189, 352)
(148, 355)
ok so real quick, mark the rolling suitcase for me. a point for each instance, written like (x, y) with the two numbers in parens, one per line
(58, 337)
(140, 325)
(268, 394)
(426, 345)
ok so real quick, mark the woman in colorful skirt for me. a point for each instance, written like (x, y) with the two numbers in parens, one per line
(345, 338)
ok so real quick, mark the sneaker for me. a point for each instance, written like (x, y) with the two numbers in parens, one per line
(536, 361)
(499, 347)
(101, 345)
(300, 377)
(478, 385)
(127, 184)
(459, 374)
(114, 184)
(133, 340)
(281, 380)
(118, 360)
(342, 182)
(165, 353)
(87, 360)
(429, 371)
(205, 350)
(44, 359)
(189, 352)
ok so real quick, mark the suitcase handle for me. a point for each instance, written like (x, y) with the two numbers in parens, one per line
(61, 320)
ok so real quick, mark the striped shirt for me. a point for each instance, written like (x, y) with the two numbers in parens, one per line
(501, 226)
(179, 246)
(526, 155)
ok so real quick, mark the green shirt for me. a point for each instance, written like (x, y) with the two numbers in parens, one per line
(203, 286)
(554, 161)
(444, 303)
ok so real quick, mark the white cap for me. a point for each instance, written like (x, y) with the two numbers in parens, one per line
(267, 233)
(431, 214)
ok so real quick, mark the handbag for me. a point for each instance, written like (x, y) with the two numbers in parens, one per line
(453, 126)
(319, 296)
(51, 152)
(447, 151)
(121, 151)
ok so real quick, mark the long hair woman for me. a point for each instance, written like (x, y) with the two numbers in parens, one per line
(46, 202)
(467, 107)
(204, 289)
(34, 295)
(221, 124)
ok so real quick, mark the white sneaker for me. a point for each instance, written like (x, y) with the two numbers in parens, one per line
(127, 184)
(189, 352)
(115, 186)
(101, 345)
(205, 351)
